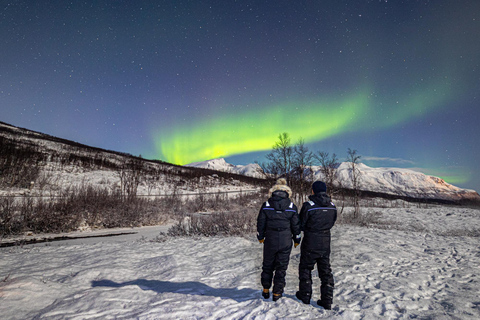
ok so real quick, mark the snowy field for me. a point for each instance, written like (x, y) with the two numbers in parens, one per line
(380, 274)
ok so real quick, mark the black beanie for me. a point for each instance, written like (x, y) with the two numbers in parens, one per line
(319, 186)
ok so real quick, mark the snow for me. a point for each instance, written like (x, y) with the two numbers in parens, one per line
(251, 169)
(395, 181)
(409, 267)
(404, 182)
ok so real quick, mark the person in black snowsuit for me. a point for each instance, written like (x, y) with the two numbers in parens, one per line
(277, 224)
(317, 217)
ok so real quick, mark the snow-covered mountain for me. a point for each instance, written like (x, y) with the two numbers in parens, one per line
(403, 182)
(395, 181)
(251, 170)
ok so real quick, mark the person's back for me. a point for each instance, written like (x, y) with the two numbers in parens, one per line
(317, 217)
(277, 225)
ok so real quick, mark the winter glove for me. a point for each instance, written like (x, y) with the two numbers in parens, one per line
(297, 239)
(261, 241)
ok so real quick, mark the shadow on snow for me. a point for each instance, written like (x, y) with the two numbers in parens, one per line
(189, 288)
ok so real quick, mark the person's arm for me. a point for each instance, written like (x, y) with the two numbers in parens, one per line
(303, 216)
(295, 227)
(335, 215)
(261, 225)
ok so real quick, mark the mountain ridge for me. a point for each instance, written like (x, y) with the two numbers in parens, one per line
(395, 181)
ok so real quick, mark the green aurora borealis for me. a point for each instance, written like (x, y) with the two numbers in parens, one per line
(186, 80)
(257, 130)
(232, 134)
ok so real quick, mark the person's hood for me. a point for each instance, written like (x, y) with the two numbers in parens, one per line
(279, 200)
(281, 185)
(322, 199)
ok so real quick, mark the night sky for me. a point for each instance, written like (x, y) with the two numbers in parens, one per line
(186, 81)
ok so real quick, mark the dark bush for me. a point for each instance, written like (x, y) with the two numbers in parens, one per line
(19, 163)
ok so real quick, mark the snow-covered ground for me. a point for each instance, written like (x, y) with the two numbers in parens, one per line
(380, 274)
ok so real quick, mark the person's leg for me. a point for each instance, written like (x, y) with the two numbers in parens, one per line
(267, 268)
(305, 277)
(326, 278)
(281, 265)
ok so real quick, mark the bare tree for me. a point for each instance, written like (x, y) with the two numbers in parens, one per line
(130, 178)
(328, 167)
(280, 158)
(151, 181)
(355, 175)
(302, 174)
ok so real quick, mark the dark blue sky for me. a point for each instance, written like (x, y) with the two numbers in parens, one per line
(188, 80)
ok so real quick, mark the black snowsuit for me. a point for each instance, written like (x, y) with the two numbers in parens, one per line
(317, 217)
(277, 223)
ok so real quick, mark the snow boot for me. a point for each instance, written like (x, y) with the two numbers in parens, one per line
(304, 299)
(266, 293)
(276, 296)
(325, 305)
(326, 296)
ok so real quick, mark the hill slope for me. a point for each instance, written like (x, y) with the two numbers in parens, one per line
(36, 163)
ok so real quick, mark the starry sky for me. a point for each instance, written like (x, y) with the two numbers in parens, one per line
(187, 81)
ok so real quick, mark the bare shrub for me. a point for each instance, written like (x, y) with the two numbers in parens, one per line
(206, 202)
(8, 223)
(235, 216)
(125, 215)
(172, 203)
(51, 215)
(94, 207)
(221, 223)
(101, 208)
(468, 232)
(130, 178)
(19, 163)
(45, 179)
(355, 175)
(370, 218)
